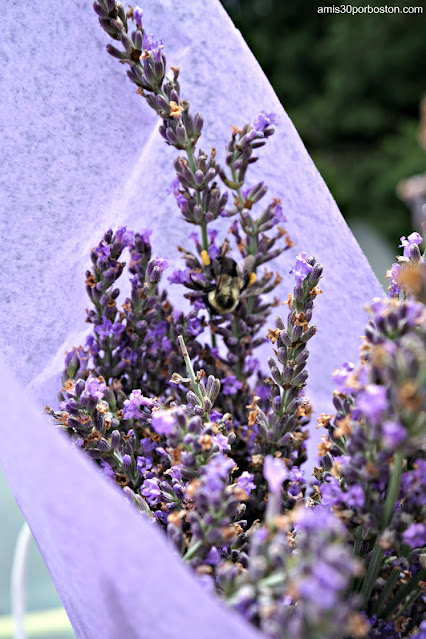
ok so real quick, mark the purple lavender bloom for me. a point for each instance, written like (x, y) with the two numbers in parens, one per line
(331, 492)
(329, 581)
(215, 416)
(297, 480)
(157, 332)
(415, 312)
(162, 263)
(355, 497)
(245, 481)
(263, 121)
(92, 345)
(381, 629)
(124, 236)
(145, 235)
(103, 251)
(136, 399)
(118, 328)
(319, 518)
(104, 329)
(414, 238)
(341, 375)
(70, 354)
(252, 365)
(422, 631)
(278, 214)
(128, 356)
(231, 385)
(394, 434)
(106, 470)
(262, 391)
(143, 464)
(95, 387)
(220, 466)
(297, 474)
(151, 491)
(175, 473)
(217, 471)
(137, 16)
(180, 276)
(147, 445)
(213, 251)
(393, 275)
(213, 557)
(195, 325)
(212, 233)
(413, 485)
(163, 421)
(275, 472)
(166, 344)
(80, 359)
(415, 535)
(379, 307)
(174, 189)
(301, 269)
(222, 442)
(373, 402)
(153, 46)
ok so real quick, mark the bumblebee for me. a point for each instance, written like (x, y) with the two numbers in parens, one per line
(231, 280)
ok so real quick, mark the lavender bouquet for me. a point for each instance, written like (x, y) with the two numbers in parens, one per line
(175, 408)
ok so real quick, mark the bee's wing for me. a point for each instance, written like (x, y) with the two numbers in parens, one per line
(251, 291)
(223, 268)
(217, 269)
(245, 268)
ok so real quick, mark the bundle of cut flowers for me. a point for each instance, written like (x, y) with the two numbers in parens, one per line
(174, 407)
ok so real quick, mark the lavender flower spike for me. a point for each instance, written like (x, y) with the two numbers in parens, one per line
(275, 473)
(407, 242)
(301, 269)
(90, 521)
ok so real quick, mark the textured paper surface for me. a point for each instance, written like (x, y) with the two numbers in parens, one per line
(115, 572)
(81, 152)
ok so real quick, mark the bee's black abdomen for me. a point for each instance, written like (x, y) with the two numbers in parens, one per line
(225, 300)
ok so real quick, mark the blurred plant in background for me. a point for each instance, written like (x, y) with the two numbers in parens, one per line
(412, 190)
(352, 86)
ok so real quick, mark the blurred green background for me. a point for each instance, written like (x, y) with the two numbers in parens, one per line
(41, 593)
(352, 85)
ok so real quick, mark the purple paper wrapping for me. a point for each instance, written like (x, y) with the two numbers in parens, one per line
(83, 153)
(115, 572)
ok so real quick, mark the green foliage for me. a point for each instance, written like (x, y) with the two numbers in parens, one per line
(352, 85)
